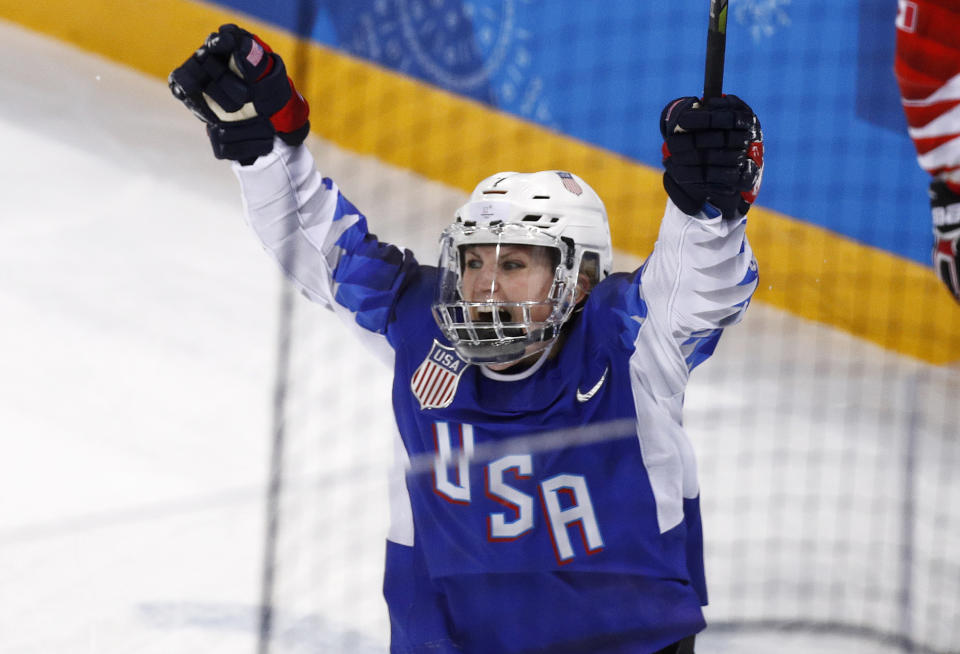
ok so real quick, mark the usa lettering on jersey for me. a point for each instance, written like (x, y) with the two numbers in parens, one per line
(434, 382)
(564, 499)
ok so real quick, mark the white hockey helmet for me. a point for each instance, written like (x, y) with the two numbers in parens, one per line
(554, 209)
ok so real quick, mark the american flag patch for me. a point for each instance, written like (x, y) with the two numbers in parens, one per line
(255, 54)
(435, 382)
(570, 183)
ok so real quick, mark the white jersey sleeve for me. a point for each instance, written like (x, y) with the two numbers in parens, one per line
(321, 242)
(698, 280)
(322, 245)
(294, 214)
(700, 276)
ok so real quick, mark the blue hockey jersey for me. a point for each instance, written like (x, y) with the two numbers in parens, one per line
(505, 484)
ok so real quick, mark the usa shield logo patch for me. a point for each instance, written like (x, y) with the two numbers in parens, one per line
(435, 382)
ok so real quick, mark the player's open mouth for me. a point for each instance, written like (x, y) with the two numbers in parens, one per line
(486, 315)
(483, 316)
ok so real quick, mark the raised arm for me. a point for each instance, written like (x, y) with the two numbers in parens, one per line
(702, 272)
(319, 239)
(256, 118)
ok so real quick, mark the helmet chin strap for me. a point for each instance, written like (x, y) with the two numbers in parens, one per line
(486, 371)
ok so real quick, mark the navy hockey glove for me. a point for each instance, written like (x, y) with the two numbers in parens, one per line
(239, 87)
(945, 205)
(713, 155)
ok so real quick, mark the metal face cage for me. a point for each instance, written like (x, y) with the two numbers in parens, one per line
(497, 330)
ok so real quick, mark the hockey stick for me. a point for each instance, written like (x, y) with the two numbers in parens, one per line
(716, 47)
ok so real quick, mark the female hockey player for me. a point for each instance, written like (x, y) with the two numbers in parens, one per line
(589, 546)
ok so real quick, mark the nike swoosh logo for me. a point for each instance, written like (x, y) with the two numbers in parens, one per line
(583, 397)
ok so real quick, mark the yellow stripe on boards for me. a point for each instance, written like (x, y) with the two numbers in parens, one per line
(876, 295)
(804, 269)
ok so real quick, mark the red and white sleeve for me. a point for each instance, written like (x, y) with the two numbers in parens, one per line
(927, 68)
